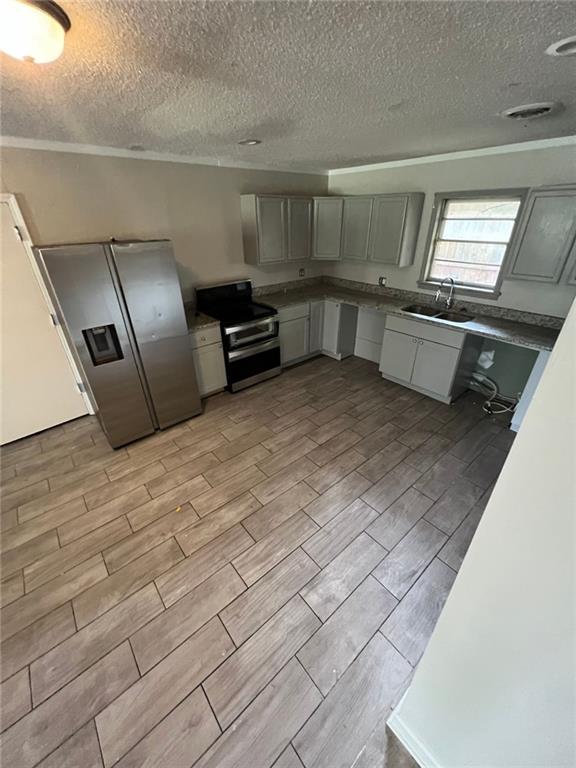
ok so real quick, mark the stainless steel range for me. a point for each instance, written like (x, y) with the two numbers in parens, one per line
(249, 332)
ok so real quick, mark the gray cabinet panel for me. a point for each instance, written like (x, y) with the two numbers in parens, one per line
(356, 217)
(299, 229)
(545, 236)
(387, 229)
(394, 228)
(435, 367)
(316, 325)
(294, 339)
(398, 355)
(327, 228)
(271, 216)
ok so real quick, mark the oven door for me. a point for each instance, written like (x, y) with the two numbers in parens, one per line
(253, 364)
(238, 336)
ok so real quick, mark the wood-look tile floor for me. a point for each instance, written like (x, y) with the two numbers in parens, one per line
(251, 588)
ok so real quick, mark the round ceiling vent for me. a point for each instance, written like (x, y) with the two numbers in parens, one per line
(566, 47)
(532, 111)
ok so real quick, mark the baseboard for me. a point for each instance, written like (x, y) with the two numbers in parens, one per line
(409, 741)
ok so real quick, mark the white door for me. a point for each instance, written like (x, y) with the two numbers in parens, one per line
(398, 355)
(299, 229)
(210, 368)
(316, 325)
(271, 212)
(38, 386)
(327, 228)
(293, 339)
(331, 329)
(387, 228)
(356, 227)
(435, 367)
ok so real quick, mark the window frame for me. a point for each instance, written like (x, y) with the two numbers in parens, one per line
(440, 200)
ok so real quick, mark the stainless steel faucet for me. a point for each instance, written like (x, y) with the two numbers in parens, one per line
(450, 297)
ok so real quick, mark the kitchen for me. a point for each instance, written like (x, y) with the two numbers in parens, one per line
(360, 340)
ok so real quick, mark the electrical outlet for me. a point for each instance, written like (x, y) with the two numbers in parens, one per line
(382, 281)
(301, 272)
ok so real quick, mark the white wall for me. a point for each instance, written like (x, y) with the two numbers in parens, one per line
(71, 198)
(496, 686)
(535, 167)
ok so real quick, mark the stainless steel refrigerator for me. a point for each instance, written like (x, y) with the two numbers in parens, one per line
(121, 306)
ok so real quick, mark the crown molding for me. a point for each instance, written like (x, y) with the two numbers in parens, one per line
(16, 142)
(525, 146)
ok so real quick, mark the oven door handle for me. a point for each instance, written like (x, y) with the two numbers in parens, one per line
(253, 324)
(254, 350)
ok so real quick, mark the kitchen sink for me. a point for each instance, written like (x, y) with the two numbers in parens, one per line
(454, 317)
(437, 314)
(420, 309)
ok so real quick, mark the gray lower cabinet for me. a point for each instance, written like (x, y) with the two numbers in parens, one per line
(545, 236)
(316, 325)
(434, 367)
(275, 229)
(433, 360)
(294, 339)
(394, 228)
(339, 329)
(356, 215)
(208, 357)
(398, 355)
(327, 228)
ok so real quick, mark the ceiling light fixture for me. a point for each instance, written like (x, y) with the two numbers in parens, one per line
(566, 47)
(249, 142)
(532, 111)
(33, 30)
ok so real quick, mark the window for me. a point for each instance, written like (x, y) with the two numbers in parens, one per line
(470, 239)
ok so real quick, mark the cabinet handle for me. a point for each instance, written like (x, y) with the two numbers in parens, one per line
(420, 342)
(414, 341)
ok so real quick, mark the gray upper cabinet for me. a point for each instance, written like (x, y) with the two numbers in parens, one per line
(394, 228)
(327, 228)
(357, 212)
(572, 265)
(275, 229)
(545, 236)
(299, 228)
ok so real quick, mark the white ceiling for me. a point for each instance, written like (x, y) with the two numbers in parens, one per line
(322, 84)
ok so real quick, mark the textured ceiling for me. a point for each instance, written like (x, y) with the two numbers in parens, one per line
(322, 84)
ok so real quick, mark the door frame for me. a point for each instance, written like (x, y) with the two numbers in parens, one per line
(24, 235)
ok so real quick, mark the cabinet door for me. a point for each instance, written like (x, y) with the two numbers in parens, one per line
(545, 236)
(398, 355)
(210, 369)
(387, 229)
(294, 339)
(356, 216)
(299, 229)
(572, 264)
(331, 327)
(435, 367)
(316, 325)
(327, 228)
(271, 218)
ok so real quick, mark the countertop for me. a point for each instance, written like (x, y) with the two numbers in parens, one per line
(520, 334)
(197, 320)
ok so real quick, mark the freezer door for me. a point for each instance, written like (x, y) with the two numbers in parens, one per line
(81, 283)
(149, 280)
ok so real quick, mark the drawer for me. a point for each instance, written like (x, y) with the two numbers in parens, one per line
(203, 336)
(294, 311)
(368, 350)
(425, 330)
(371, 325)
